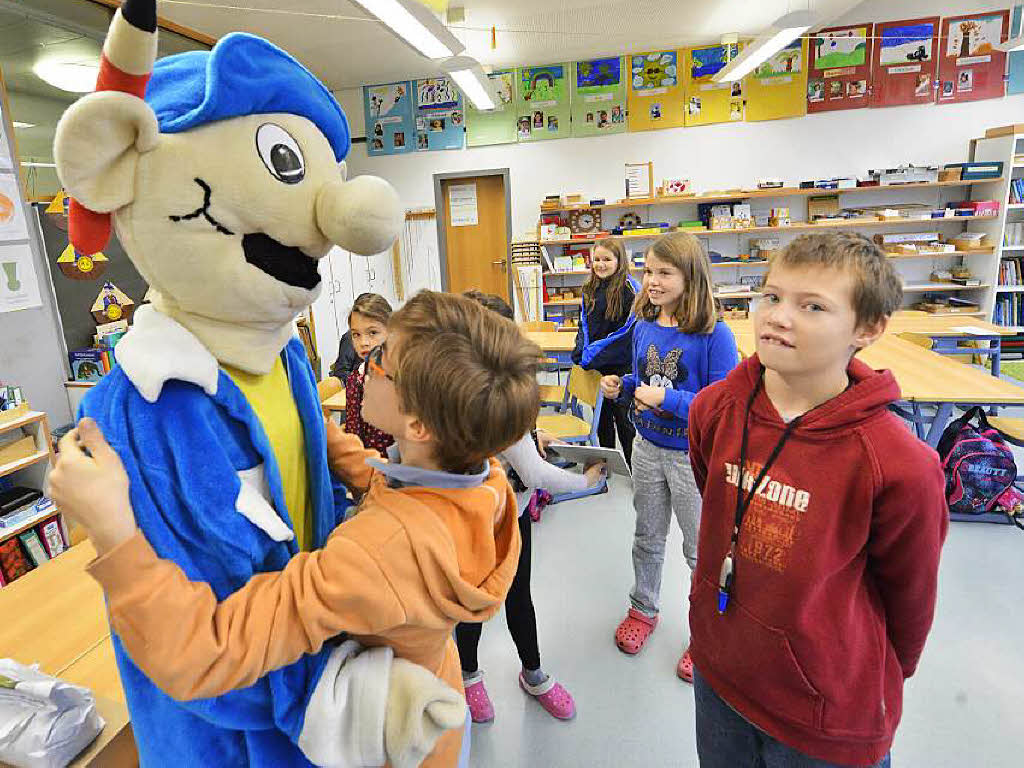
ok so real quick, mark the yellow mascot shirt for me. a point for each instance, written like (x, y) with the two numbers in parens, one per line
(270, 396)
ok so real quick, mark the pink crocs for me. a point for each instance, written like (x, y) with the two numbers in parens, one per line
(481, 710)
(552, 696)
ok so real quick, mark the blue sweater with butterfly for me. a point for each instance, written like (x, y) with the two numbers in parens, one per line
(682, 364)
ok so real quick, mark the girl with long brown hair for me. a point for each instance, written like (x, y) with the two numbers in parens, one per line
(603, 342)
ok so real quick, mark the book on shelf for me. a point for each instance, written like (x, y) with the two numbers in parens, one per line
(33, 547)
(13, 562)
(87, 364)
(51, 534)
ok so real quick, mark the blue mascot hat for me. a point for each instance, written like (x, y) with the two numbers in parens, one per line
(242, 75)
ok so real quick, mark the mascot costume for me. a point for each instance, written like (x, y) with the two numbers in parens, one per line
(222, 172)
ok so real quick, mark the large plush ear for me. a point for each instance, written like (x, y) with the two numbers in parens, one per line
(97, 147)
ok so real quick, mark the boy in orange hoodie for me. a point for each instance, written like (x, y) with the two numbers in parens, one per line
(434, 542)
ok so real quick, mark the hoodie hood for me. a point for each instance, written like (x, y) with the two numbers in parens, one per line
(869, 395)
(465, 541)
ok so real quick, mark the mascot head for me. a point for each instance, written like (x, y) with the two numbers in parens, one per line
(222, 172)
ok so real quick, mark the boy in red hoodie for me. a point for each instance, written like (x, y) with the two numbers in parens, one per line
(815, 584)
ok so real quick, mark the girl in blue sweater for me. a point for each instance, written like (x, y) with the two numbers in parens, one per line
(604, 341)
(679, 347)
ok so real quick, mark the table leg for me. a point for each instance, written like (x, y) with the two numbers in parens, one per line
(996, 355)
(942, 413)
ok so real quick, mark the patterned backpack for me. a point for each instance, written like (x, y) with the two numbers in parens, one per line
(979, 467)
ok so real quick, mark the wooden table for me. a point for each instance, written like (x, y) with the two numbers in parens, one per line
(55, 616)
(949, 334)
(926, 380)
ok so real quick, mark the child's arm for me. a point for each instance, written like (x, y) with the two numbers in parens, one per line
(577, 352)
(537, 473)
(192, 647)
(347, 456)
(908, 526)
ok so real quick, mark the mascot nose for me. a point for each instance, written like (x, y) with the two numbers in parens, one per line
(363, 215)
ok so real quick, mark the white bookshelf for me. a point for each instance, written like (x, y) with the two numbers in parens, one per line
(32, 470)
(915, 269)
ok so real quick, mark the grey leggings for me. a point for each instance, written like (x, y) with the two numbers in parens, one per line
(663, 485)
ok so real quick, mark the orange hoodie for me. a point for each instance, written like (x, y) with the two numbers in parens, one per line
(411, 564)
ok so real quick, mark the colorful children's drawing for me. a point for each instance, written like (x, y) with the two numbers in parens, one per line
(503, 84)
(598, 73)
(385, 98)
(707, 62)
(975, 36)
(909, 44)
(542, 83)
(788, 61)
(655, 70)
(439, 93)
(841, 48)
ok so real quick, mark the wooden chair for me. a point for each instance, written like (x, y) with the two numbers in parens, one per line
(568, 425)
(328, 388)
(1010, 427)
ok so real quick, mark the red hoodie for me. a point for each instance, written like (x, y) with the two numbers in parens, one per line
(837, 563)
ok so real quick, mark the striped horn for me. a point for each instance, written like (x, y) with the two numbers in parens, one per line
(126, 64)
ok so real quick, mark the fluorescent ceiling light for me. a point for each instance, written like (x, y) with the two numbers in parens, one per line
(415, 24)
(19, 124)
(33, 164)
(783, 32)
(71, 76)
(469, 75)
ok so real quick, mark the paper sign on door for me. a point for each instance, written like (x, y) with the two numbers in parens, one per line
(462, 205)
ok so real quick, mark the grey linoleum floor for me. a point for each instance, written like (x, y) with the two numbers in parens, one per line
(964, 708)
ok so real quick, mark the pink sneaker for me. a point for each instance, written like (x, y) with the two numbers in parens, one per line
(552, 696)
(684, 669)
(481, 710)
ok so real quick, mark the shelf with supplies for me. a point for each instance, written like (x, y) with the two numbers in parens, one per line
(1010, 288)
(941, 287)
(26, 457)
(719, 196)
(796, 226)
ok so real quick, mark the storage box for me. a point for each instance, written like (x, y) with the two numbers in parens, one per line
(823, 207)
(967, 241)
(977, 207)
(950, 174)
(978, 171)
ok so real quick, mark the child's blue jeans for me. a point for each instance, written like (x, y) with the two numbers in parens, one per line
(727, 740)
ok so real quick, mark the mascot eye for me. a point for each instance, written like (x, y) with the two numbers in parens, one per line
(280, 153)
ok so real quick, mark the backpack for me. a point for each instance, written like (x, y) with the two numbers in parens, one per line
(979, 468)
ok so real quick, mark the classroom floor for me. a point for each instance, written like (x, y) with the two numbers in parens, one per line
(962, 707)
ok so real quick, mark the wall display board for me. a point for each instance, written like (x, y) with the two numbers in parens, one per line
(709, 102)
(497, 126)
(390, 120)
(903, 70)
(598, 97)
(656, 93)
(970, 67)
(440, 118)
(840, 68)
(542, 103)
(778, 88)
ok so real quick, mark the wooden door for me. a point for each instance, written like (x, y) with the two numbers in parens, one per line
(476, 253)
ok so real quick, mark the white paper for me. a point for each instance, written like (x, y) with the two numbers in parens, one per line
(972, 330)
(12, 213)
(19, 287)
(462, 205)
(584, 453)
(638, 180)
(905, 69)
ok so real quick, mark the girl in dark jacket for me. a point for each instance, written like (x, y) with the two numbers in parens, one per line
(604, 341)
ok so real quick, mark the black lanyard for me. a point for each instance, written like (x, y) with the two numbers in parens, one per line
(727, 574)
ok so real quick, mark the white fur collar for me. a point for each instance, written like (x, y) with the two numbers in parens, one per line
(158, 349)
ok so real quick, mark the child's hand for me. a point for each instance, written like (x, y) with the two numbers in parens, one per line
(544, 439)
(595, 473)
(651, 397)
(611, 386)
(92, 488)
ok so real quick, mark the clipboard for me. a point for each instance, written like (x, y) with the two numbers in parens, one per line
(582, 454)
